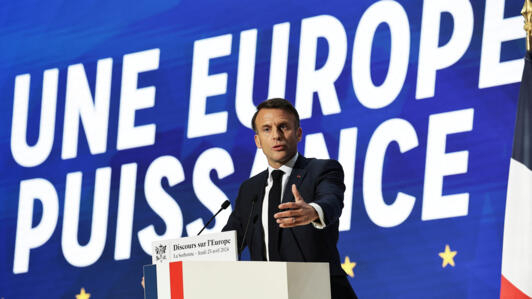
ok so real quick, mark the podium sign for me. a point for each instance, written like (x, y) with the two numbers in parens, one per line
(211, 247)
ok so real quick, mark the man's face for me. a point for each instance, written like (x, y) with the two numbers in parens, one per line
(277, 135)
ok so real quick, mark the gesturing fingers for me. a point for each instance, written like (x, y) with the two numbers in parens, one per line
(289, 213)
(296, 213)
(290, 205)
(296, 217)
(296, 194)
(290, 218)
(291, 221)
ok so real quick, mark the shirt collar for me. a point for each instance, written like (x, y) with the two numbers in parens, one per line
(286, 168)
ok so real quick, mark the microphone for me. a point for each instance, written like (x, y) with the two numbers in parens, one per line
(247, 225)
(223, 207)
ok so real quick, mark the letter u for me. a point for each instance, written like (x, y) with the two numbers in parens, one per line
(24, 154)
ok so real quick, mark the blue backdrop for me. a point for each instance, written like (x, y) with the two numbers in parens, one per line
(444, 148)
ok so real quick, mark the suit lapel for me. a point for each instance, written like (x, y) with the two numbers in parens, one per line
(263, 178)
(296, 177)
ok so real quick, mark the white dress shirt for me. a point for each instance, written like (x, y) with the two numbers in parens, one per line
(287, 169)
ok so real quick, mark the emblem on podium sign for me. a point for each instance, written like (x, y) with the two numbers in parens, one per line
(160, 253)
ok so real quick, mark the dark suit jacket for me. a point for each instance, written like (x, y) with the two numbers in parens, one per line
(318, 181)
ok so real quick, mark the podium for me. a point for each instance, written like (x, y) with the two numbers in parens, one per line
(237, 280)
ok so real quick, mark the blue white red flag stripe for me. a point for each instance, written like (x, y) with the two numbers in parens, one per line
(164, 281)
(176, 280)
(509, 291)
(150, 282)
(516, 278)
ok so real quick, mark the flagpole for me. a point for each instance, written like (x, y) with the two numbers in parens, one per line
(527, 14)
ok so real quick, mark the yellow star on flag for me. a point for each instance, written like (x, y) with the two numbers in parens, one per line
(447, 256)
(348, 266)
(83, 295)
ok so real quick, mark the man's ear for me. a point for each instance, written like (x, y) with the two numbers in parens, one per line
(257, 141)
(299, 134)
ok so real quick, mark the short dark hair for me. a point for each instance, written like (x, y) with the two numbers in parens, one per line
(276, 103)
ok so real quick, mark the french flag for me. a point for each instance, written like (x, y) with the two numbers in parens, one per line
(516, 278)
(164, 281)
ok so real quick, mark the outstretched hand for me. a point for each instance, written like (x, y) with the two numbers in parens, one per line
(297, 213)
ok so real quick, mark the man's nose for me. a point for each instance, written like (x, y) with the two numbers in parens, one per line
(276, 134)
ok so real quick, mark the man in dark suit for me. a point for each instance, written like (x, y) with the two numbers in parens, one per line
(290, 212)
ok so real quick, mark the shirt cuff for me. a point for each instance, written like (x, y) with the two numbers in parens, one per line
(320, 222)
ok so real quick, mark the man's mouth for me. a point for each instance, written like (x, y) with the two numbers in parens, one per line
(278, 147)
